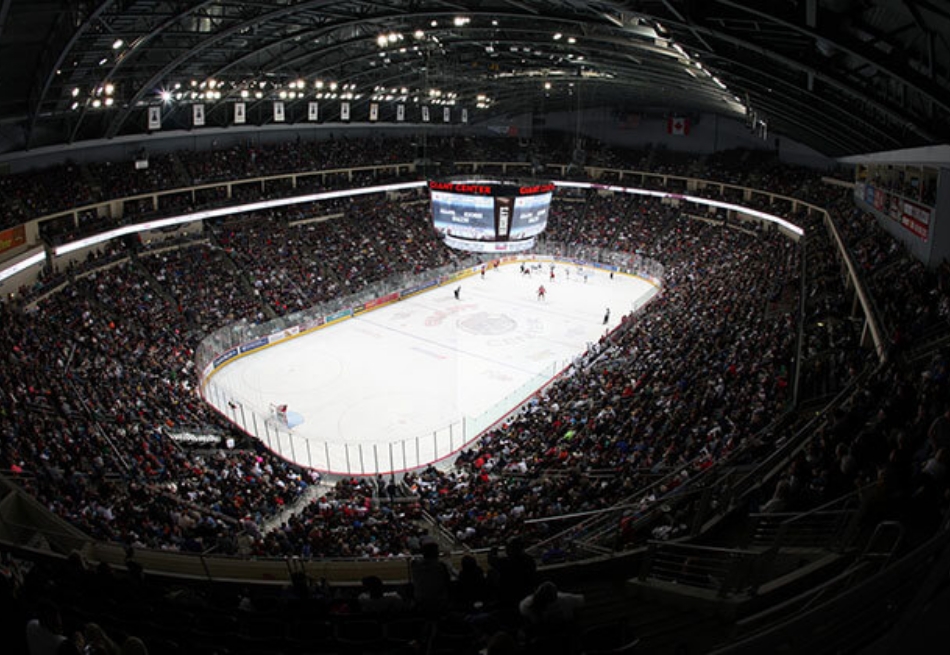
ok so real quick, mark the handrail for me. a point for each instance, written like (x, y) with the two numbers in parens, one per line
(865, 300)
(831, 505)
(793, 604)
(888, 593)
(774, 462)
(800, 332)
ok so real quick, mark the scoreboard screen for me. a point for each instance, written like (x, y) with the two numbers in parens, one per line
(490, 215)
(530, 216)
(465, 217)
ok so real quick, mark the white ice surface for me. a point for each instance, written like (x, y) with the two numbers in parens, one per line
(391, 388)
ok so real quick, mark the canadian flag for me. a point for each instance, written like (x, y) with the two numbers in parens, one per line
(677, 126)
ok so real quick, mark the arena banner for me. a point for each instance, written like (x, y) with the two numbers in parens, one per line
(880, 200)
(192, 439)
(225, 356)
(253, 345)
(339, 316)
(290, 332)
(894, 210)
(312, 323)
(405, 293)
(358, 309)
(12, 238)
(912, 216)
(382, 300)
(916, 218)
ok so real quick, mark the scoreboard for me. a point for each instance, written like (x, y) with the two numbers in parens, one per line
(490, 215)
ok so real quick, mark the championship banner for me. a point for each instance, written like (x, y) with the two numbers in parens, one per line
(313, 111)
(400, 112)
(155, 118)
(344, 111)
(425, 114)
(240, 113)
(446, 114)
(373, 111)
(198, 115)
(464, 115)
(278, 112)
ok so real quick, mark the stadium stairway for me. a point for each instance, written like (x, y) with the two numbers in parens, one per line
(313, 492)
(228, 259)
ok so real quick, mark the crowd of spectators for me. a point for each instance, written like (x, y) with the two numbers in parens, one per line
(349, 521)
(100, 374)
(295, 263)
(99, 378)
(56, 605)
(32, 194)
(886, 442)
(678, 387)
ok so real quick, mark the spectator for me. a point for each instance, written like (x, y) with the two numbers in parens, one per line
(431, 580)
(779, 501)
(471, 588)
(550, 618)
(513, 573)
(375, 600)
(549, 608)
(44, 634)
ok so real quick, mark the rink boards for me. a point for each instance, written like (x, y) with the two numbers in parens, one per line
(411, 377)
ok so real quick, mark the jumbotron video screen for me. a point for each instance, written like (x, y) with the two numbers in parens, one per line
(490, 215)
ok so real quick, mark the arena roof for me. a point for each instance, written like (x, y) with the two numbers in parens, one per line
(842, 76)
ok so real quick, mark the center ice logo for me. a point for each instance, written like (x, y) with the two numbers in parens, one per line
(487, 324)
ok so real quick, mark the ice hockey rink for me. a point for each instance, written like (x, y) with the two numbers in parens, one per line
(411, 383)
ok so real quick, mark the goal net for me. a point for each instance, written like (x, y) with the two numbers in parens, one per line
(278, 414)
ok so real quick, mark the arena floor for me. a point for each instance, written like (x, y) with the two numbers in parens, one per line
(410, 383)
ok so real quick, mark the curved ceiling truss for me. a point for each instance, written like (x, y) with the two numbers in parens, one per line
(842, 76)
